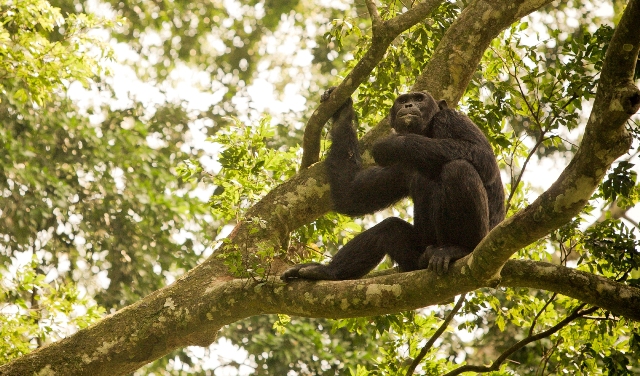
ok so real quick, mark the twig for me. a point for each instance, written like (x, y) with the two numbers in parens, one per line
(547, 356)
(598, 318)
(524, 166)
(435, 336)
(534, 114)
(535, 319)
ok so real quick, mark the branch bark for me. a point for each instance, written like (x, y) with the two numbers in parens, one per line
(192, 310)
(457, 56)
(619, 298)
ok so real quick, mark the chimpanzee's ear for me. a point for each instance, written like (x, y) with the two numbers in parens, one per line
(442, 104)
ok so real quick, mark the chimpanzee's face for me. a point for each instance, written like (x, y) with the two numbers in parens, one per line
(412, 112)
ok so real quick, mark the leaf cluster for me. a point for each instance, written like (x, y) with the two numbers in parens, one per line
(36, 311)
(41, 51)
(249, 168)
(306, 346)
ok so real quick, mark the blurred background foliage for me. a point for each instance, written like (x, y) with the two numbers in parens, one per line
(136, 133)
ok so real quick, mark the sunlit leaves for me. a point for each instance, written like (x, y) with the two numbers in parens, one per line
(401, 338)
(620, 181)
(405, 59)
(280, 325)
(342, 28)
(249, 168)
(307, 346)
(614, 248)
(140, 226)
(33, 64)
(34, 311)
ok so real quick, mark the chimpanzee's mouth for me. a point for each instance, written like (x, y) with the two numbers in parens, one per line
(408, 112)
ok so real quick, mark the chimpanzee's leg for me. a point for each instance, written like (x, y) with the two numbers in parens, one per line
(463, 216)
(393, 236)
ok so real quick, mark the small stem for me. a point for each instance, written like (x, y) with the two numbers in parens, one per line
(524, 166)
(547, 356)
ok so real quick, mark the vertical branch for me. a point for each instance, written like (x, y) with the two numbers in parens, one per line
(535, 319)
(376, 21)
(545, 358)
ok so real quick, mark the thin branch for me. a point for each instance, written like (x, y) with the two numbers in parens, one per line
(515, 184)
(547, 355)
(520, 344)
(597, 318)
(511, 164)
(535, 319)
(535, 114)
(566, 141)
(562, 108)
(435, 336)
(376, 21)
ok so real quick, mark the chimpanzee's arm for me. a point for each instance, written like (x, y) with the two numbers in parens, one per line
(430, 154)
(357, 191)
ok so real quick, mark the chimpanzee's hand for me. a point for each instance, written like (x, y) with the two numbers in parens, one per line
(345, 115)
(326, 94)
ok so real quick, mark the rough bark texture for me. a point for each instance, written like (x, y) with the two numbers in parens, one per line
(459, 52)
(616, 297)
(194, 308)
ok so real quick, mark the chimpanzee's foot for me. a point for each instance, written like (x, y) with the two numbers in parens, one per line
(437, 259)
(312, 270)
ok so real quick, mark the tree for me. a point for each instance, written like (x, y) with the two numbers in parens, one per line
(521, 93)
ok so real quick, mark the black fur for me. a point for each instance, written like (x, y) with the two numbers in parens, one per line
(437, 156)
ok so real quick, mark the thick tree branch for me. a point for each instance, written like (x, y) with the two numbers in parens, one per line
(310, 200)
(459, 52)
(457, 56)
(376, 20)
(605, 139)
(191, 310)
(621, 299)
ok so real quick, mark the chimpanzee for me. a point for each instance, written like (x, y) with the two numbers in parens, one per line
(437, 156)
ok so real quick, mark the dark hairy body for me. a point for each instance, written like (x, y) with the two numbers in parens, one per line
(439, 158)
